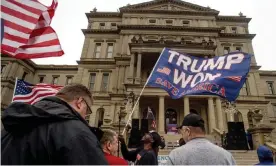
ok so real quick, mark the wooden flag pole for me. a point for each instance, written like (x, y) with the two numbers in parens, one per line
(130, 116)
(15, 84)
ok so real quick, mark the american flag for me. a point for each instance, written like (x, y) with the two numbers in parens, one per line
(164, 70)
(29, 93)
(235, 78)
(26, 31)
(151, 116)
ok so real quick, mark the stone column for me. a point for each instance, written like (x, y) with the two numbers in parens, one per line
(131, 68)
(231, 117)
(161, 117)
(7, 70)
(211, 115)
(204, 117)
(220, 114)
(138, 71)
(186, 106)
(13, 71)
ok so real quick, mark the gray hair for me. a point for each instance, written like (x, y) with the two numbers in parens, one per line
(108, 136)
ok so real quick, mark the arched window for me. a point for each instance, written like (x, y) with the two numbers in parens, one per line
(99, 117)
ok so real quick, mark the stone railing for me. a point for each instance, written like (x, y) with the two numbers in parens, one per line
(272, 147)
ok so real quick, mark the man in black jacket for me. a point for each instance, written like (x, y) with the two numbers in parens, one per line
(53, 131)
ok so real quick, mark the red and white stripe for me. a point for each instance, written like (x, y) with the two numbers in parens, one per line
(165, 70)
(27, 31)
(39, 91)
(235, 78)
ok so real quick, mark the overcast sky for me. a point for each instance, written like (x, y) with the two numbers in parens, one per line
(70, 18)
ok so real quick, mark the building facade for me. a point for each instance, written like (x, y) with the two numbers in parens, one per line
(121, 48)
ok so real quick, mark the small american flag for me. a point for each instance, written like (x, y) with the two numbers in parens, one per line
(29, 93)
(164, 70)
(151, 116)
(26, 31)
(235, 78)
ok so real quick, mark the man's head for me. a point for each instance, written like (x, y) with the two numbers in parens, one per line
(153, 140)
(192, 127)
(109, 142)
(78, 97)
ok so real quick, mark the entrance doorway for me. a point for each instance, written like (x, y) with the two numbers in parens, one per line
(171, 121)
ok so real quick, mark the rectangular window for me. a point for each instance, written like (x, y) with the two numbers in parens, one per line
(55, 81)
(92, 81)
(105, 82)
(169, 22)
(98, 50)
(152, 21)
(234, 30)
(238, 49)
(113, 24)
(226, 50)
(110, 50)
(102, 25)
(41, 79)
(24, 75)
(270, 88)
(185, 23)
(2, 68)
(69, 80)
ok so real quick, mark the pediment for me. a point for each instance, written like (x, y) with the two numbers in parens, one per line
(173, 5)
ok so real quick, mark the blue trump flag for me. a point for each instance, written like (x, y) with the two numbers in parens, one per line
(181, 74)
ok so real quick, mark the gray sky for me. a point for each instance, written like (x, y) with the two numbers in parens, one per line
(70, 18)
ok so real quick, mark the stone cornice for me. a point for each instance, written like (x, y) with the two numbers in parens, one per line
(174, 45)
(98, 61)
(42, 67)
(161, 27)
(176, 2)
(105, 31)
(233, 19)
(267, 73)
(102, 14)
(57, 67)
(233, 35)
(172, 12)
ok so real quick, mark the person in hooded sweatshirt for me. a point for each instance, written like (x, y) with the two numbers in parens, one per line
(265, 156)
(53, 131)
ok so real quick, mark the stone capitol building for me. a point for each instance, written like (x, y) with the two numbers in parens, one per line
(120, 49)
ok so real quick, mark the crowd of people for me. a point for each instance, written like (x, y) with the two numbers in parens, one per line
(53, 131)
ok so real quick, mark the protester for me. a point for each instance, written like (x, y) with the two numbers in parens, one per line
(198, 150)
(53, 131)
(131, 155)
(109, 142)
(148, 156)
(265, 156)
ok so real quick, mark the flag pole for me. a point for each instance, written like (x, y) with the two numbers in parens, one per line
(130, 116)
(14, 88)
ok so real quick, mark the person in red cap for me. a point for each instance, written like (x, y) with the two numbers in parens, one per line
(109, 142)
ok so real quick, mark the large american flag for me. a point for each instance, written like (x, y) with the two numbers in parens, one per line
(26, 31)
(29, 93)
